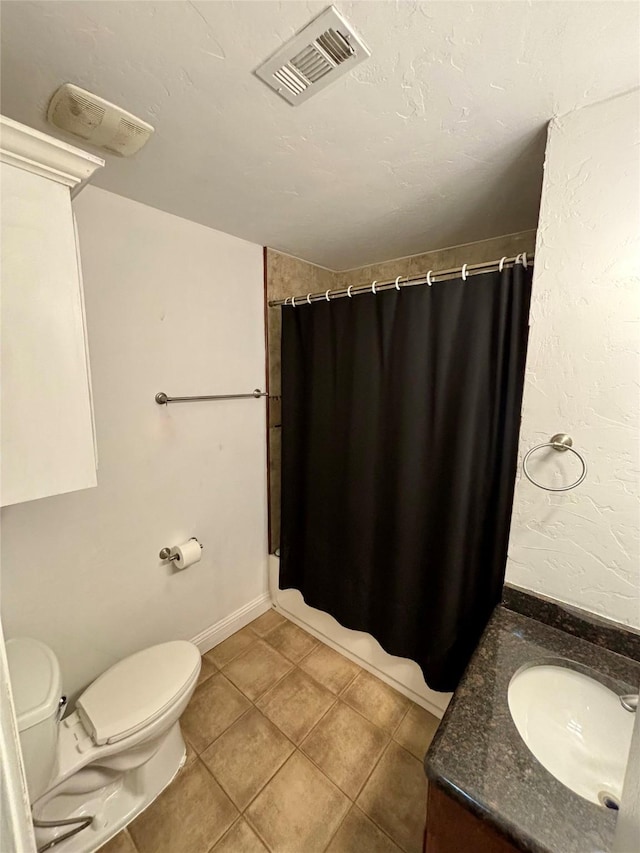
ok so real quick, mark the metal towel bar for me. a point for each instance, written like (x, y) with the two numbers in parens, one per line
(162, 399)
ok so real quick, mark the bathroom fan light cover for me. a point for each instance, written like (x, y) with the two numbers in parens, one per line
(97, 121)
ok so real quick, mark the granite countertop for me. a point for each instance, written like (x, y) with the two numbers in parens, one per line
(479, 759)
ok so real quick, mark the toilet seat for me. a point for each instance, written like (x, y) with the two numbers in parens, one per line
(138, 690)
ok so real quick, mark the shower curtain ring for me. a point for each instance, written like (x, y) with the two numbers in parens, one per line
(464, 272)
(349, 291)
(373, 286)
(501, 264)
(287, 300)
(524, 260)
(308, 298)
(429, 282)
(397, 284)
(293, 301)
(327, 297)
(518, 259)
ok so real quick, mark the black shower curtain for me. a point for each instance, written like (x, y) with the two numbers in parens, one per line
(400, 420)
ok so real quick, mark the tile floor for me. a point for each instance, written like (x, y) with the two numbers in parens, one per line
(291, 748)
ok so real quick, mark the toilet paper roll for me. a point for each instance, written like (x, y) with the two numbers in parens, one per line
(188, 554)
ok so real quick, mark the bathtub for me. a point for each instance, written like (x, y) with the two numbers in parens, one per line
(402, 674)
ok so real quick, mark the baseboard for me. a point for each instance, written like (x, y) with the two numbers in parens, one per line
(215, 634)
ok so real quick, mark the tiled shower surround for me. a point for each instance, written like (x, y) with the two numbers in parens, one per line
(288, 276)
(291, 748)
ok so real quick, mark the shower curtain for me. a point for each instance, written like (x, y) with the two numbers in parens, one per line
(400, 420)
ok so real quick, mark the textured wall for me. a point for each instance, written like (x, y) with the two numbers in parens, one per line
(288, 276)
(581, 547)
(177, 307)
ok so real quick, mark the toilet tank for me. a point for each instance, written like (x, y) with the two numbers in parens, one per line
(36, 686)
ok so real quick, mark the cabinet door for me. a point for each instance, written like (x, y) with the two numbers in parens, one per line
(47, 436)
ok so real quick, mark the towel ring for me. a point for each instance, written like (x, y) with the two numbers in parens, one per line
(560, 442)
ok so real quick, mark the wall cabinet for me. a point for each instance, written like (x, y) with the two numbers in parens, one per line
(47, 439)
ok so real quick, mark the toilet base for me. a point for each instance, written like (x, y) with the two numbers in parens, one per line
(115, 804)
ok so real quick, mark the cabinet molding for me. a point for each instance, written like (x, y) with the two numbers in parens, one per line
(33, 151)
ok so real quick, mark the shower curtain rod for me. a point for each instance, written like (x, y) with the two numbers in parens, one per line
(426, 278)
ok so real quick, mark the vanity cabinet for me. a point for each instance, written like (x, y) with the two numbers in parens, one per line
(452, 829)
(47, 439)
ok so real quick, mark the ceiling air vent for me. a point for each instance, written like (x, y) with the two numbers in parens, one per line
(324, 50)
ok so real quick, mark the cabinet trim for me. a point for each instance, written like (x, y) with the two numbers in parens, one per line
(33, 151)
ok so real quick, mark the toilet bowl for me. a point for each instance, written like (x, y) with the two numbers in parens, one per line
(115, 753)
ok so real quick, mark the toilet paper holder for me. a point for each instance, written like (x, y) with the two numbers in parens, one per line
(165, 553)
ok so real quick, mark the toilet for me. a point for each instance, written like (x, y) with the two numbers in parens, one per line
(115, 753)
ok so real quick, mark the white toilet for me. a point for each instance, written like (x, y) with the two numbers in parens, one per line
(118, 750)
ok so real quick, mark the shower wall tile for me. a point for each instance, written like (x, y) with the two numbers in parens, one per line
(289, 276)
(454, 256)
(286, 276)
(274, 486)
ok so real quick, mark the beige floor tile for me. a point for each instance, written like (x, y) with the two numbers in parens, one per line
(246, 756)
(376, 701)
(332, 670)
(188, 817)
(212, 709)
(299, 809)
(296, 704)
(240, 839)
(395, 797)
(267, 622)
(358, 834)
(230, 648)
(207, 669)
(416, 731)
(346, 747)
(257, 669)
(191, 753)
(291, 641)
(120, 843)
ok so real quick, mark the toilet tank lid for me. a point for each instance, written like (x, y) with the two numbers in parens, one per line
(35, 681)
(137, 690)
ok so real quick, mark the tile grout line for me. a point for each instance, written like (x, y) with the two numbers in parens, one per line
(257, 831)
(259, 710)
(371, 818)
(344, 817)
(317, 723)
(296, 748)
(224, 835)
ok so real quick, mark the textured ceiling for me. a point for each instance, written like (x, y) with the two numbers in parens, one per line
(437, 139)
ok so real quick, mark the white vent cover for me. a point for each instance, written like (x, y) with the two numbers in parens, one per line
(324, 50)
(97, 121)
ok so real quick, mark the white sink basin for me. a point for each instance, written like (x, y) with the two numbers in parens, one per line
(575, 727)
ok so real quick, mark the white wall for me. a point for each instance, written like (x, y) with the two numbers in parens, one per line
(171, 306)
(581, 547)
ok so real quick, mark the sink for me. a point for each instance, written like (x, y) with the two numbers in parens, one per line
(575, 727)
